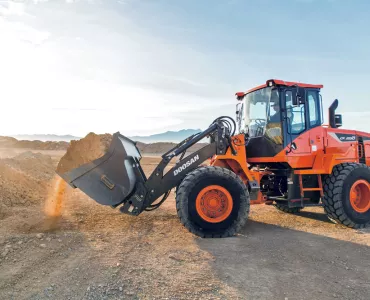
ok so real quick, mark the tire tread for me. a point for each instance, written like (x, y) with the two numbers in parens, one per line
(189, 182)
(333, 189)
(286, 209)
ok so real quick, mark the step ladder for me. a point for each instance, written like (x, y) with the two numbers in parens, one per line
(303, 189)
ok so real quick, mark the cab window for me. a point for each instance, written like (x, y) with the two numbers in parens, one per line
(314, 116)
(296, 118)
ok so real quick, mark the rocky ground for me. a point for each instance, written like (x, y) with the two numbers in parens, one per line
(94, 252)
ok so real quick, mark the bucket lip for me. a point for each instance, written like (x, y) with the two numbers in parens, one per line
(125, 137)
(75, 173)
(134, 143)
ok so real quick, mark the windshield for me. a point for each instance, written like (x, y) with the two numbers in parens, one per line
(262, 114)
(256, 111)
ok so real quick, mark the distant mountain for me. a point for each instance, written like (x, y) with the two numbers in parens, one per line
(168, 136)
(45, 137)
(153, 144)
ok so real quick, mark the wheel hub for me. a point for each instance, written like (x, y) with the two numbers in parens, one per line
(360, 196)
(214, 204)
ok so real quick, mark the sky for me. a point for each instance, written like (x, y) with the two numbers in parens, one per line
(144, 67)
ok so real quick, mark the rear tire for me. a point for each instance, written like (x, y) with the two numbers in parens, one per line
(346, 195)
(286, 209)
(212, 202)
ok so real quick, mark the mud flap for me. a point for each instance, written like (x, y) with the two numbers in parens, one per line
(110, 179)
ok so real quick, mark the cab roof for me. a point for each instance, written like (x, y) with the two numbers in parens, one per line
(274, 82)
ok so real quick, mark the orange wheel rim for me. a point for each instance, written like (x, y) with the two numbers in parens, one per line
(359, 196)
(214, 204)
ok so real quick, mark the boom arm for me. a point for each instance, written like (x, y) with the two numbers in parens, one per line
(149, 190)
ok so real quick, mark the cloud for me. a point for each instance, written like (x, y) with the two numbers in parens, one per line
(99, 72)
(79, 122)
(16, 31)
(8, 8)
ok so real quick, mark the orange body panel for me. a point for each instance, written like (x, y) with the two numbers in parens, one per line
(237, 163)
(367, 151)
(319, 150)
(316, 152)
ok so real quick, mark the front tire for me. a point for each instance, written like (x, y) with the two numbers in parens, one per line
(212, 202)
(347, 195)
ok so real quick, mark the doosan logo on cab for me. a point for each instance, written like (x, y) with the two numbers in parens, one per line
(186, 165)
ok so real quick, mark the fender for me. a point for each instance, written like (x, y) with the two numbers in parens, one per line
(238, 164)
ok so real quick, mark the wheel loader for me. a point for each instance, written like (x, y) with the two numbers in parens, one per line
(277, 152)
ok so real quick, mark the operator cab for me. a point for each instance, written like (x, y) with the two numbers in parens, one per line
(274, 114)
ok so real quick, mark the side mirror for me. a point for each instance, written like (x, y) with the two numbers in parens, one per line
(299, 97)
(238, 108)
(338, 121)
(239, 114)
(296, 100)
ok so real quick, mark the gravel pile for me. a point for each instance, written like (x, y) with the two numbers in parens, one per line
(24, 179)
(85, 150)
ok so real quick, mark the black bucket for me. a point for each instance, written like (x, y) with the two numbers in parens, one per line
(110, 179)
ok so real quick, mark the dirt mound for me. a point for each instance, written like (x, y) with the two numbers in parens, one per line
(36, 165)
(24, 179)
(4, 211)
(94, 146)
(39, 145)
(9, 142)
(82, 151)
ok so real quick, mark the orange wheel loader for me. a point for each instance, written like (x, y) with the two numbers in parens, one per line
(277, 152)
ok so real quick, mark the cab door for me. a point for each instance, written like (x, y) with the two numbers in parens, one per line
(315, 119)
(295, 124)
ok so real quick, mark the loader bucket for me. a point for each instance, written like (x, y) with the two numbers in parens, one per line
(110, 179)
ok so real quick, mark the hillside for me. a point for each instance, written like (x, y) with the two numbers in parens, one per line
(145, 148)
(45, 137)
(10, 142)
(165, 137)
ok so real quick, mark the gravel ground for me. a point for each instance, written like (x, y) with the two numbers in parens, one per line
(94, 252)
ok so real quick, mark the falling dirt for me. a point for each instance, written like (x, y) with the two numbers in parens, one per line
(54, 201)
(54, 204)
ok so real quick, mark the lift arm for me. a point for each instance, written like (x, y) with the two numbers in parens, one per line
(149, 190)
